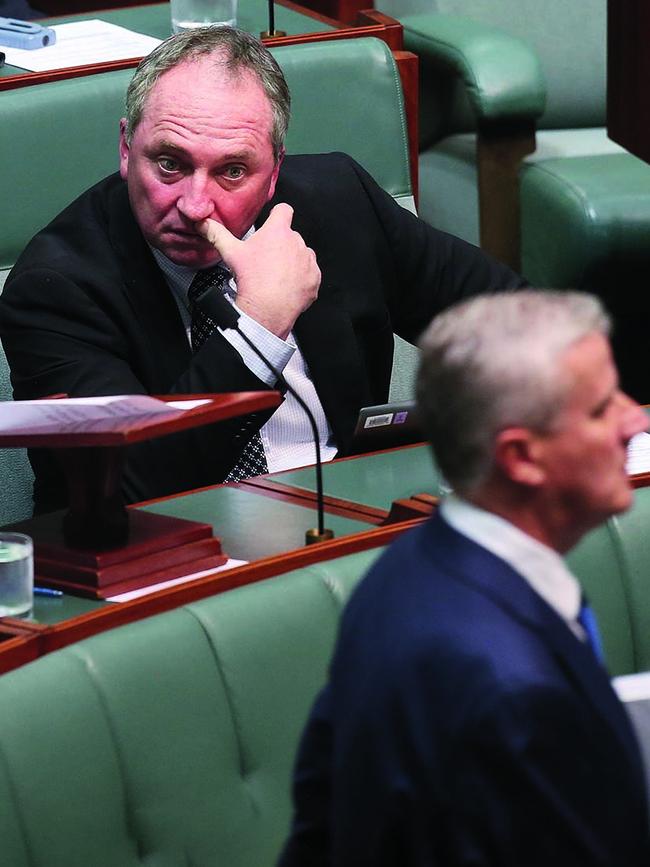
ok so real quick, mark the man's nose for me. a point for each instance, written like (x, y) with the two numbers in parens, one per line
(634, 418)
(195, 202)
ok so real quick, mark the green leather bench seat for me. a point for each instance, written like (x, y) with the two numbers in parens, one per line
(599, 208)
(514, 150)
(169, 742)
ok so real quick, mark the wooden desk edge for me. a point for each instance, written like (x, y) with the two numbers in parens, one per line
(67, 632)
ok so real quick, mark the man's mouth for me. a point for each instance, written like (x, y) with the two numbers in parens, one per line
(189, 235)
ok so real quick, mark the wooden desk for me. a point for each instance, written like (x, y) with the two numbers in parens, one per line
(255, 523)
(366, 485)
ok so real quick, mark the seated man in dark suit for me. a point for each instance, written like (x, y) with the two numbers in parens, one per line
(103, 300)
(468, 719)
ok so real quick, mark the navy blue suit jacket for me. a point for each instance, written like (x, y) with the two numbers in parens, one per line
(464, 724)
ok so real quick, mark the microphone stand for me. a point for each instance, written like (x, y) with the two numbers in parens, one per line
(268, 34)
(217, 307)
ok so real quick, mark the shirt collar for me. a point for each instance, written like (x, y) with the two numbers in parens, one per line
(179, 277)
(542, 567)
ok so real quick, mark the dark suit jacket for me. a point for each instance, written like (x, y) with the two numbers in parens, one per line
(86, 311)
(464, 724)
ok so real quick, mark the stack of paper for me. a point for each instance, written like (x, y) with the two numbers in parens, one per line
(82, 43)
(638, 454)
(83, 414)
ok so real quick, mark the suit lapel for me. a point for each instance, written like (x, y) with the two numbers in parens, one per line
(494, 578)
(146, 290)
(327, 341)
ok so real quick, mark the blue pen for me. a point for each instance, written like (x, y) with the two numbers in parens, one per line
(46, 591)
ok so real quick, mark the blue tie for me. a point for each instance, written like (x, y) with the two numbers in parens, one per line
(587, 619)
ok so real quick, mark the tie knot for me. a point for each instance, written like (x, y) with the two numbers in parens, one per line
(210, 278)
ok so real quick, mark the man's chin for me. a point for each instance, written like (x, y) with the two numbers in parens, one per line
(191, 256)
(623, 501)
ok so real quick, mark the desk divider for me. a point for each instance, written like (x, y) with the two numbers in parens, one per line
(34, 640)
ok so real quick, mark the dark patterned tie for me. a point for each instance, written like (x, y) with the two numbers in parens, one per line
(252, 460)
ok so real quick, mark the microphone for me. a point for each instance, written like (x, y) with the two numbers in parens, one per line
(217, 307)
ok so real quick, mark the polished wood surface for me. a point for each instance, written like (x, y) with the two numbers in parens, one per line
(124, 431)
(628, 71)
(17, 649)
(92, 456)
(66, 632)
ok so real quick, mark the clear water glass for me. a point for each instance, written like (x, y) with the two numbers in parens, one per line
(187, 14)
(16, 574)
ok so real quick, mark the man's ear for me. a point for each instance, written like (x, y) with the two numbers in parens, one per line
(274, 176)
(516, 454)
(124, 150)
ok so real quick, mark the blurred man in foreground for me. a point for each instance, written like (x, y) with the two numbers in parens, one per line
(468, 718)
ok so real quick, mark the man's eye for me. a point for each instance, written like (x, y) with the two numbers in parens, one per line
(167, 164)
(601, 410)
(233, 173)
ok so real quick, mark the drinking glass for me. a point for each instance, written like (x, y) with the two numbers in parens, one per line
(16, 574)
(187, 14)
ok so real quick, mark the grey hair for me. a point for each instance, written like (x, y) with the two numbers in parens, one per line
(234, 51)
(493, 362)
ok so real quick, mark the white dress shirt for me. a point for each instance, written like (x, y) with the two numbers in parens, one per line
(541, 566)
(287, 436)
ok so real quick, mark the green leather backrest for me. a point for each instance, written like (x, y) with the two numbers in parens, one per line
(613, 565)
(597, 564)
(632, 543)
(569, 37)
(170, 741)
(59, 138)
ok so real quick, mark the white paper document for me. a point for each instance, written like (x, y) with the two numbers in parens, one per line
(84, 414)
(82, 43)
(145, 591)
(638, 454)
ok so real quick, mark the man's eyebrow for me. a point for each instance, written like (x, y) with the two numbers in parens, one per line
(240, 155)
(165, 145)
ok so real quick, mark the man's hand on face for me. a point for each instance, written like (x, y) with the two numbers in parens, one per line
(276, 272)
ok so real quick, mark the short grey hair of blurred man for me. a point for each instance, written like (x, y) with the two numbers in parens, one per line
(468, 717)
(495, 381)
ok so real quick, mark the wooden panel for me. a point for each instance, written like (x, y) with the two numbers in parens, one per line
(628, 71)
(16, 650)
(67, 632)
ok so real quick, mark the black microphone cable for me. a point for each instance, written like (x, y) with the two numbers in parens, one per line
(217, 307)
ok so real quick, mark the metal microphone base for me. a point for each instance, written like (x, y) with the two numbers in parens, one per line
(312, 536)
(266, 34)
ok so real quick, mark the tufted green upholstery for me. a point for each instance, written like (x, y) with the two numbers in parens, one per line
(170, 741)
